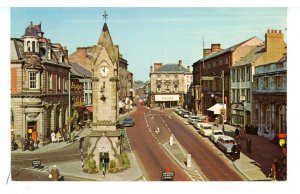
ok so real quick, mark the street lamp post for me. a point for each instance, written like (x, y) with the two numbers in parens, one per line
(243, 100)
(223, 129)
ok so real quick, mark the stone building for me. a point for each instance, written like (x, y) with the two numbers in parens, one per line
(270, 96)
(39, 86)
(169, 84)
(207, 75)
(242, 75)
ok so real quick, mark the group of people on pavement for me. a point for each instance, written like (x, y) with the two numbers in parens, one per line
(60, 135)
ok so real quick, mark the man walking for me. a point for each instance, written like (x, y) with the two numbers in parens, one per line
(248, 143)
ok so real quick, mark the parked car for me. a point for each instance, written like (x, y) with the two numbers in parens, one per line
(192, 119)
(225, 143)
(179, 110)
(185, 114)
(215, 135)
(128, 122)
(205, 129)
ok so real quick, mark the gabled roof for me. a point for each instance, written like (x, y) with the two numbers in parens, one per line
(172, 68)
(230, 49)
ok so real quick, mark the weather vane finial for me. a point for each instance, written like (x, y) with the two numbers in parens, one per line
(105, 15)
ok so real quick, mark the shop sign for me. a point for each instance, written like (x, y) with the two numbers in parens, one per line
(237, 107)
(160, 98)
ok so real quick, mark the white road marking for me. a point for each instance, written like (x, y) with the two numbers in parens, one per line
(144, 178)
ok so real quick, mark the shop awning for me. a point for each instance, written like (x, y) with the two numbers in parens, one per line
(89, 108)
(217, 108)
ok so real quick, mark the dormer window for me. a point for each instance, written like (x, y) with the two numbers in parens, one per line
(28, 46)
(33, 46)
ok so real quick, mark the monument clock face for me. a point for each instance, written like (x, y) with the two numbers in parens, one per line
(104, 71)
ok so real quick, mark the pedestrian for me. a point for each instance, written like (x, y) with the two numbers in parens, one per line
(53, 139)
(237, 132)
(248, 143)
(274, 169)
(63, 134)
(58, 136)
(54, 174)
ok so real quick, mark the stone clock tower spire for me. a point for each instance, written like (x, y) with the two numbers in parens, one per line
(105, 135)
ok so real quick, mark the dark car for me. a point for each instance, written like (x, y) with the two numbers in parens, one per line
(128, 122)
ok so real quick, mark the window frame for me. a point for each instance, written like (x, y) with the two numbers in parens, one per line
(35, 81)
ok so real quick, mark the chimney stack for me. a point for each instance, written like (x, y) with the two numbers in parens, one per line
(206, 52)
(215, 47)
(188, 69)
(82, 51)
(157, 66)
(151, 69)
(66, 52)
(180, 63)
(274, 42)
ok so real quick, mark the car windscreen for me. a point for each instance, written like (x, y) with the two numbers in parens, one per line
(206, 127)
(219, 133)
(229, 141)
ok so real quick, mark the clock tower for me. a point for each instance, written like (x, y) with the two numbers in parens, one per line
(105, 136)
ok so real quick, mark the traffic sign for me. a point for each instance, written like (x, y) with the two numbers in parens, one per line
(167, 176)
(36, 163)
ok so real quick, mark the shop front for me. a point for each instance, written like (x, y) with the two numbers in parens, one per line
(237, 114)
(167, 101)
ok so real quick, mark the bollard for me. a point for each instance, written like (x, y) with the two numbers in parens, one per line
(171, 140)
(189, 160)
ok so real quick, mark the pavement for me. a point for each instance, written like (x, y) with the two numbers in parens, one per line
(254, 167)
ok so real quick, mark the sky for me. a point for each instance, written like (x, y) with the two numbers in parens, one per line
(149, 35)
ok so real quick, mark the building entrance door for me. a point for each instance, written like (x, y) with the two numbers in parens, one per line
(32, 131)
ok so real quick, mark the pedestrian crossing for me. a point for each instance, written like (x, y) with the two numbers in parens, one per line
(194, 175)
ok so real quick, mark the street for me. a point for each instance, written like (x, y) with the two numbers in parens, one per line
(153, 128)
(146, 146)
(21, 166)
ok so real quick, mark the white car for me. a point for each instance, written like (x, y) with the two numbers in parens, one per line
(215, 135)
(192, 119)
(205, 129)
(226, 143)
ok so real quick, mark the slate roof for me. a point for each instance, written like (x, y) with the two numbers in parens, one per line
(252, 56)
(232, 48)
(33, 30)
(16, 49)
(80, 70)
(172, 68)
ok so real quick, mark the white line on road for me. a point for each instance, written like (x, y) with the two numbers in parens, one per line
(144, 178)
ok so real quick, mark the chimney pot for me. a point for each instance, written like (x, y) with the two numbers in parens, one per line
(180, 63)
(272, 31)
(279, 31)
(188, 68)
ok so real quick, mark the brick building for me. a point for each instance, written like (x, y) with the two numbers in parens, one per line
(207, 82)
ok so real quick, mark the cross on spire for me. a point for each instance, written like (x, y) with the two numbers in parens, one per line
(105, 15)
